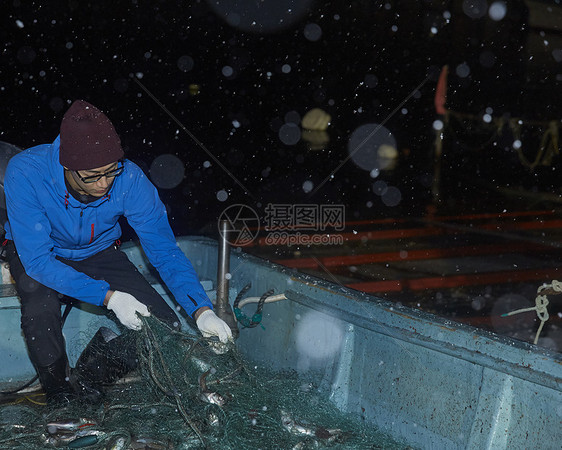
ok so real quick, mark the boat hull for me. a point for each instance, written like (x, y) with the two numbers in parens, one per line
(428, 381)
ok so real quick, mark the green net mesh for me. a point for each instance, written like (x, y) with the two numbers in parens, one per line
(184, 395)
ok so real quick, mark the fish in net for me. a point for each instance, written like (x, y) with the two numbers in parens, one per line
(186, 395)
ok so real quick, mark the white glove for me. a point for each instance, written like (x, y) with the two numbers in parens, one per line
(211, 325)
(126, 307)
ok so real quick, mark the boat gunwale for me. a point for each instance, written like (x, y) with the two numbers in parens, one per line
(459, 340)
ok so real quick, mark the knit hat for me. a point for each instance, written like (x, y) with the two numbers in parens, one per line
(88, 139)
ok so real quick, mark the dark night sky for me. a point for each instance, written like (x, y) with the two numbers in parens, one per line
(368, 58)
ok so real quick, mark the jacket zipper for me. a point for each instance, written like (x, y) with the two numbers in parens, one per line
(92, 234)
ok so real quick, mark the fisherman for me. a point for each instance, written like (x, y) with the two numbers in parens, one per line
(64, 200)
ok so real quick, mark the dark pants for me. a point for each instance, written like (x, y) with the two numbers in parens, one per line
(41, 306)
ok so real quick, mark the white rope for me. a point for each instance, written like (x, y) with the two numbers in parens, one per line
(541, 303)
(270, 299)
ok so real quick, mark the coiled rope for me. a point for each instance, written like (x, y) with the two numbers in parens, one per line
(541, 304)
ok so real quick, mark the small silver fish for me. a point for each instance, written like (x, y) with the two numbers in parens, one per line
(294, 428)
(206, 395)
(70, 425)
(213, 419)
(117, 443)
(326, 434)
(143, 443)
(62, 439)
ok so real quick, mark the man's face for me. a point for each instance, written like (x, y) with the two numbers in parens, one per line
(79, 179)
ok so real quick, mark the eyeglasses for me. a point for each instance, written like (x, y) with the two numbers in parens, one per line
(109, 174)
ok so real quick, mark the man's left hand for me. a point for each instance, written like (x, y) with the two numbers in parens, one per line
(211, 325)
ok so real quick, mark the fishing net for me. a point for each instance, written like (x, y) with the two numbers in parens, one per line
(186, 395)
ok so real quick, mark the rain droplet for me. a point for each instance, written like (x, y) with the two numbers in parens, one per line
(312, 32)
(185, 63)
(497, 11)
(474, 9)
(371, 146)
(463, 70)
(392, 196)
(307, 186)
(56, 104)
(379, 187)
(26, 55)
(227, 71)
(293, 117)
(222, 195)
(167, 171)
(289, 134)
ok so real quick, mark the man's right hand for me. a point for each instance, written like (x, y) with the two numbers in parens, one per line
(126, 307)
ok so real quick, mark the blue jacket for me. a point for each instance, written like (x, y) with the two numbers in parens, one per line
(44, 221)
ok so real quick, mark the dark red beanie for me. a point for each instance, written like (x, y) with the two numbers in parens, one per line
(88, 139)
